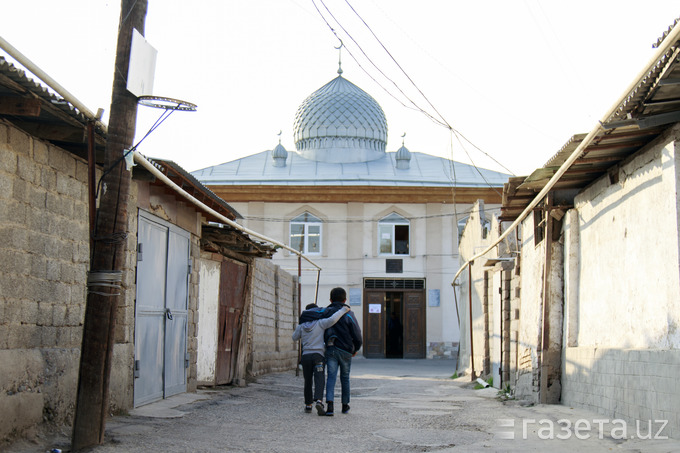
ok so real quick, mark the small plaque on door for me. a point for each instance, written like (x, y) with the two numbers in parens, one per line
(374, 308)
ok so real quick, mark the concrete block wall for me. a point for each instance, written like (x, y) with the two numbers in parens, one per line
(442, 350)
(44, 257)
(627, 384)
(192, 316)
(273, 319)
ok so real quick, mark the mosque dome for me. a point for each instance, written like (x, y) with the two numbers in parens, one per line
(403, 158)
(340, 123)
(279, 155)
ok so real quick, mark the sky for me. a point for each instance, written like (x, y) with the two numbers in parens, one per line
(513, 79)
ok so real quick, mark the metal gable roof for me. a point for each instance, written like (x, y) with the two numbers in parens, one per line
(425, 171)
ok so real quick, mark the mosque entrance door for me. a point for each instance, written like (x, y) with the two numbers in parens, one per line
(394, 319)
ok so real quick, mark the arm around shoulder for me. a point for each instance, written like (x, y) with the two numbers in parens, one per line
(327, 322)
(298, 333)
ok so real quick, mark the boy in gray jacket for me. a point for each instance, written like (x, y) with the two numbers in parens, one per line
(313, 352)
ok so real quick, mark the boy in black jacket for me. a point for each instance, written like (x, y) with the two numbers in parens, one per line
(343, 340)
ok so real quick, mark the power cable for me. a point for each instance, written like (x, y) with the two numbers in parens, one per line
(442, 122)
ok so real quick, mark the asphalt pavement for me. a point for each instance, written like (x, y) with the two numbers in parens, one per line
(397, 405)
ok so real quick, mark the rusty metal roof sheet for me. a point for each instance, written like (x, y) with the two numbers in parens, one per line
(194, 188)
(39, 111)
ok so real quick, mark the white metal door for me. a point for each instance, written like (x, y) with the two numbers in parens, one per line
(161, 309)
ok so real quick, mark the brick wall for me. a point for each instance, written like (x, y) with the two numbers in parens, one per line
(273, 319)
(44, 257)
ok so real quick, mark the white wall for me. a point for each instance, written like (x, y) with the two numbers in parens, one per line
(629, 285)
(208, 298)
(622, 292)
(350, 252)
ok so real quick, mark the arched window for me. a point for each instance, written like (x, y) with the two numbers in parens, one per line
(393, 235)
(305, 234)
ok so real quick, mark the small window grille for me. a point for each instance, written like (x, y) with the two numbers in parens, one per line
(375, 283)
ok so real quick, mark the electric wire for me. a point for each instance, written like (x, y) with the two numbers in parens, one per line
(446, 123)
(442, 121)
(366, 220)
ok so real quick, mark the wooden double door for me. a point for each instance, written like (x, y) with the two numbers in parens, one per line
(394, 323)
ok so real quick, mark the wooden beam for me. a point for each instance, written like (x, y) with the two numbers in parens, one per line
(12, 105)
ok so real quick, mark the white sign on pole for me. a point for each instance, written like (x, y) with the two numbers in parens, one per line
(142, 66)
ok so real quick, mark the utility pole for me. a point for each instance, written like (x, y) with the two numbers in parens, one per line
(108, 254)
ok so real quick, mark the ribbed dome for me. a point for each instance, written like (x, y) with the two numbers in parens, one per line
(340, 123)
(279, 155)
(403, 158)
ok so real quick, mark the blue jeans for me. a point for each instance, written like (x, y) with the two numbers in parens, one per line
(337, 357)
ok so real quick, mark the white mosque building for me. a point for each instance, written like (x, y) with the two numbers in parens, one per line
(383, 225)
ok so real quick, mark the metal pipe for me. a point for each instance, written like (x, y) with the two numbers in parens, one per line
(42, 75)
(316, 295)
(157, 173)
(300, 281)
(665, 46)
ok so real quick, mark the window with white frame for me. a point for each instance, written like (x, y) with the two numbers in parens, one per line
(305, 234)
(393, 235)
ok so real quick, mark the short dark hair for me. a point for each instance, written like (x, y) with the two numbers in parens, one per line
(338, 295)
(310, 306)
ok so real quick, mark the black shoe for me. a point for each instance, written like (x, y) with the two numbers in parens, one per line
(308, 408)
(319, 408)
(345, 408)
(329, 408)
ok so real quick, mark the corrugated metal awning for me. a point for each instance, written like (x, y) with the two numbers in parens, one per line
(651, 108)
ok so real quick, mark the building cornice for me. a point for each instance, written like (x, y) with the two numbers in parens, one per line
(360, 194)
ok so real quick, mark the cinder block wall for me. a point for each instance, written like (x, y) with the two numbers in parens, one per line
(44, 257)
(625, 384)
(273, 320)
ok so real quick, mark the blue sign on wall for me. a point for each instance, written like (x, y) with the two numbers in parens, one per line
(433, 297)
(355, 296)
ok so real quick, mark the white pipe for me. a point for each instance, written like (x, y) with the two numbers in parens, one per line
(156, 172)
(42, 75)
(670, 40)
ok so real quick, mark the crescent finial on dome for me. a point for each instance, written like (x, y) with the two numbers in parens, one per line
(340, 56)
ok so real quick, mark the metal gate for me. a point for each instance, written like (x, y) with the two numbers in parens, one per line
(163, 268)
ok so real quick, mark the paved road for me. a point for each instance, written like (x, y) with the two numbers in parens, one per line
(397, 405)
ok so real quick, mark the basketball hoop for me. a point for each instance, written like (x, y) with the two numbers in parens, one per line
(166, 103)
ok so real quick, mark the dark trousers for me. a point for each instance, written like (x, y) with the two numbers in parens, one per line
(313, 367)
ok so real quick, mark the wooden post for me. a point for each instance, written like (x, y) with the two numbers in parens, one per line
(472, 344)
(108, 256)
(299, 361)
(545, 314)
